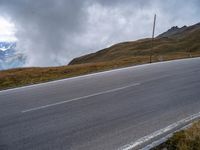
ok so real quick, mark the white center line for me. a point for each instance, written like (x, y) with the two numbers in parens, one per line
(79, 98)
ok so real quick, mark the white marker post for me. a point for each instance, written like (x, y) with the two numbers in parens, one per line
(154, 25)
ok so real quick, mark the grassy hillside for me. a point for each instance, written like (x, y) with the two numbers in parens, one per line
(180, 45)
(164, 47)
(26, 76)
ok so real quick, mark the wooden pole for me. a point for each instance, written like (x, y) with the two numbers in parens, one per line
(152, 40)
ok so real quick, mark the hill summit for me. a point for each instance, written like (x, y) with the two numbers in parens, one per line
(174, 43)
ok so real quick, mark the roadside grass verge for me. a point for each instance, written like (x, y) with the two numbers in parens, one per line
(27, 76)
(188, 139)
(182, 45)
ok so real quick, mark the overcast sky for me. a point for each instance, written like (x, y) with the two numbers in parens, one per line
(52, 32)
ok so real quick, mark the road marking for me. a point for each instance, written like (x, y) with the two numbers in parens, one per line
(97, 73)
(79, 98)
(175, 126)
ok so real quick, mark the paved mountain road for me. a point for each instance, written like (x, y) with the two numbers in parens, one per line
(102, 111)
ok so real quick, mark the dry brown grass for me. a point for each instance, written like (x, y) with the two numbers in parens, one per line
(27, 76)
(117, 56)
(189, 41)
(188, 139)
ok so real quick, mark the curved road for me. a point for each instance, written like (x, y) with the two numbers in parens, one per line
(101, 111)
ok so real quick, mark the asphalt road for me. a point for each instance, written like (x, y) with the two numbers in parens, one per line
(102, 111)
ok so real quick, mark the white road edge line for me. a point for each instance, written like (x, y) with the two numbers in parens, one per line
(160, 132)
(79, 98)
(164, 139)
(97, 73)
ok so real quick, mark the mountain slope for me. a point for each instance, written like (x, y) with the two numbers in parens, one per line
(176, 45)
(176, 41)
(9, 57)
(176, 32)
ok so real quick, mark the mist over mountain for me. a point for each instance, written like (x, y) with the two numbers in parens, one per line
(9, 57)
(176, 39)
(7, 45)
(72, 28)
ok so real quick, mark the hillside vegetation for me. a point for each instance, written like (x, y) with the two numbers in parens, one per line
(176, 43)
(188, 139)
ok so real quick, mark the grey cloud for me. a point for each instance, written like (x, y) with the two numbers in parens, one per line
(46, 27)
(52, 32)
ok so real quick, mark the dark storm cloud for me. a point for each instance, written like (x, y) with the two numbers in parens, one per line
(52, 32)
(44, 27)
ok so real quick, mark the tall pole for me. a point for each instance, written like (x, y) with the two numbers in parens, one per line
(152, 40)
